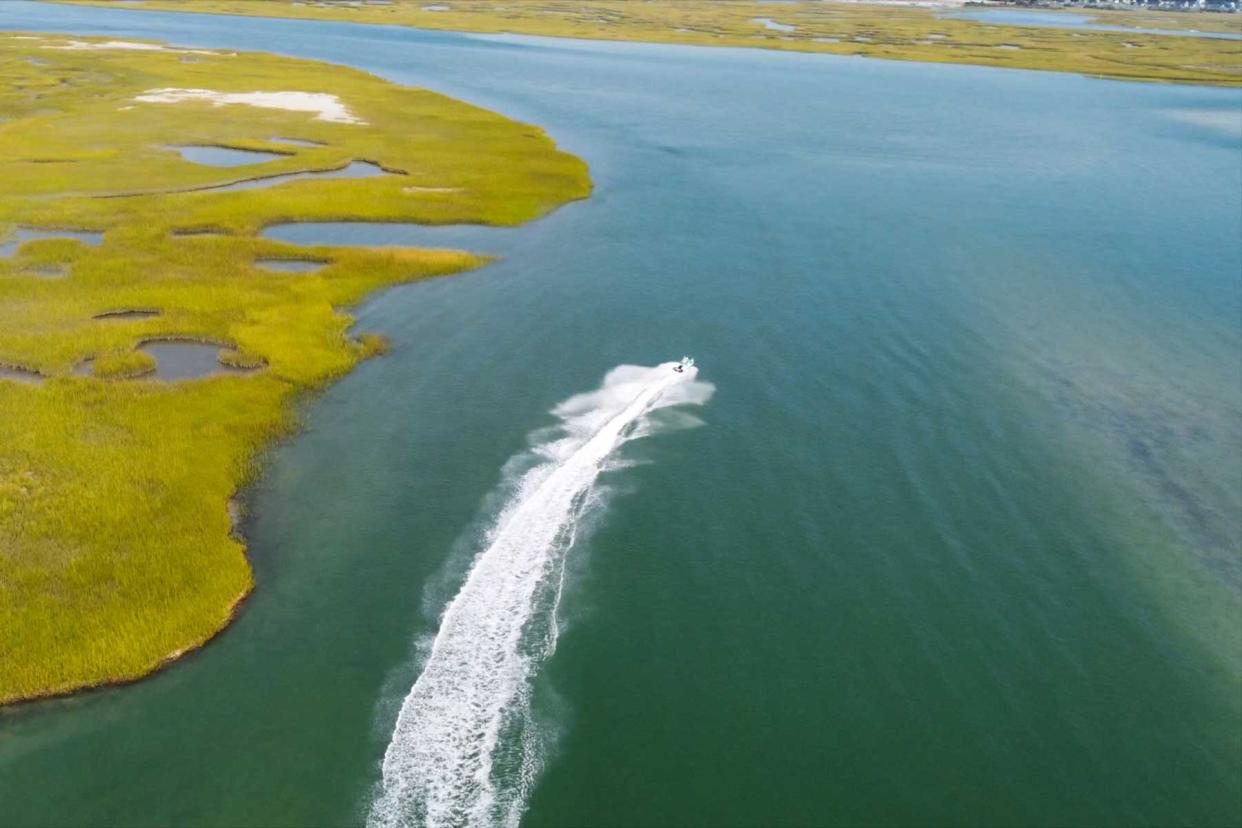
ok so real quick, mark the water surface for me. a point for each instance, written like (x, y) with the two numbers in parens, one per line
(224, 156)
(19, 374)
(188, 360)
(24, 234)
(769, 23)
(957, 544)
(354, 169)
(290, 265)
(396, 234)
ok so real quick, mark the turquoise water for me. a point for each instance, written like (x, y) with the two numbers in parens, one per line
(1066, 20)
(958, 541)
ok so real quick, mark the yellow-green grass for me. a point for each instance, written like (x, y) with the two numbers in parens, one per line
(1140, 18)
(116, 551)
(894, 32)
(117, 364)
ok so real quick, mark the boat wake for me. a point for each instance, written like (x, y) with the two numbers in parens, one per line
(465, 750)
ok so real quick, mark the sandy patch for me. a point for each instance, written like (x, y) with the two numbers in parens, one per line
(412, 190)
(326, 107)
(131, 45)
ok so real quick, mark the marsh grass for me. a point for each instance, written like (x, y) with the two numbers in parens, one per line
(893, 32)
(115, 545)
(123, 364)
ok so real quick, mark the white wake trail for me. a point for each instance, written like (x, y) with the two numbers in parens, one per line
(463, 751)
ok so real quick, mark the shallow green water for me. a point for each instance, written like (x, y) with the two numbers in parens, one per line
(958, 543)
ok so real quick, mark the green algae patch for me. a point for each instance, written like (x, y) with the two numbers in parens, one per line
(117, 550)
(847, 28)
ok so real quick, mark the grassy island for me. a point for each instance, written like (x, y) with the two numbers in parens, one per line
(117, 545)
(846, 28)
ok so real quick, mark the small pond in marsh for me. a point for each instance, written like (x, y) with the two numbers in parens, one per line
(22, 235)
(224, 156)
(290, 265)
(354, 169)
(188, 360)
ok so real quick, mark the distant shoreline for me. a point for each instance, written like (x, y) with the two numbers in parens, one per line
(911, 31)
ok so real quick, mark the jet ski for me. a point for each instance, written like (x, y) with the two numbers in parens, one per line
(686, 362)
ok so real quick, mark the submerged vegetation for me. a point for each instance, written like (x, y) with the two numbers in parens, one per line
(846, 28)
(117, 551)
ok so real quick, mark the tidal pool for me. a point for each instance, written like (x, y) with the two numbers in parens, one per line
(963, 514)
(9, 372)
(769, 23)
(195, 232)
(24, 234)
(188, 360)
(478, 238)
(290, 265)
(176, 360)
(224, 156)
(355, 169)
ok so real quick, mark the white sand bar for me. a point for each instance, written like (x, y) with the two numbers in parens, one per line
(132, 45)
(326, 107)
